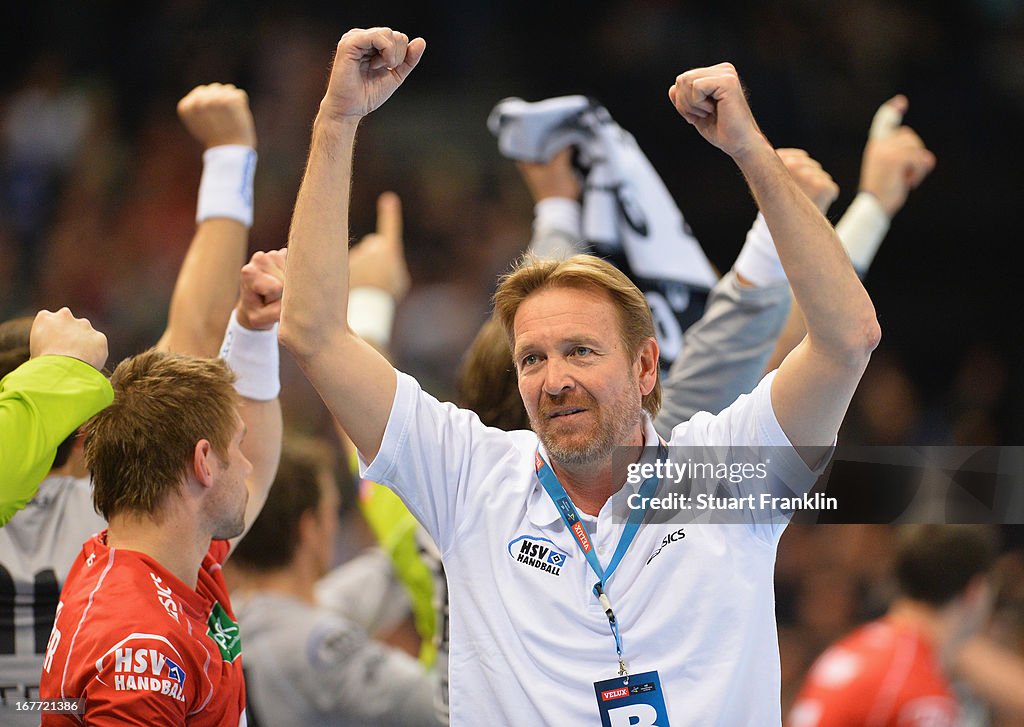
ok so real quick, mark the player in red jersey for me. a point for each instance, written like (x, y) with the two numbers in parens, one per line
(181, 463)
(891, 672)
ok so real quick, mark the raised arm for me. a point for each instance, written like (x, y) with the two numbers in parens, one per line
(218, 117)
(555, 188)
(354, 380)
(724, 353)
(378, 276)
(46, 399)
(250, 349)
(895, 162)
(814, 385)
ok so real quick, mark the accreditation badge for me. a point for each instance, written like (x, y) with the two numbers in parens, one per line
(633, 701)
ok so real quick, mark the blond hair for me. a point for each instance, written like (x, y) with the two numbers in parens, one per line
(139, 447)
(581, 271)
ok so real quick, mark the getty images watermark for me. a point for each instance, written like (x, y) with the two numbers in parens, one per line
(734, 473)
(870, 485)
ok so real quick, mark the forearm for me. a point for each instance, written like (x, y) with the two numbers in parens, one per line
(556, 229)
(41, 403)
(724, 352)
(206, 289)
(839, 315)
(793, 332)
(316, 291)
(262, 447)
(354, 380)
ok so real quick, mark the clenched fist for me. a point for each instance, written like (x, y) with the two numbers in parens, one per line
(259, 303)
(712, 100)
(368, 67)
(62, 334)
(217, 114)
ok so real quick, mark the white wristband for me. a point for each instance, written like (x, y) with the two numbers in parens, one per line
(225, 189)
(557, 223)
(371, 312)
(862, 229)
(255, 359)
(558, 213)
(758, 261)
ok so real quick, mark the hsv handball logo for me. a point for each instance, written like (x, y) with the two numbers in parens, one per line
(146, 669)
(539, 553)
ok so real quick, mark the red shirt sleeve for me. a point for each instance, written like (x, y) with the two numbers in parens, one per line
(144, 680)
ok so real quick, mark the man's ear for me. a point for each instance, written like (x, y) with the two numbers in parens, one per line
(647, 362)
(202, 467)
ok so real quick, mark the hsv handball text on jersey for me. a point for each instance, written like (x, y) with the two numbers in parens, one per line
(140, 646)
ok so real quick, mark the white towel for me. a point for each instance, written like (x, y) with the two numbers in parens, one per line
(628, 216)
(625, 204)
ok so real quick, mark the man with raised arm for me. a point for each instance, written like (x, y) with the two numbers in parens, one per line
(40, 543)
(181, 462)
(679, 627)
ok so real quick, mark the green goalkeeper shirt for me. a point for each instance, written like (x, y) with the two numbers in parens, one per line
(41, 403)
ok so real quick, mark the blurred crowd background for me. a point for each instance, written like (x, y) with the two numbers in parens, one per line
(98, 182)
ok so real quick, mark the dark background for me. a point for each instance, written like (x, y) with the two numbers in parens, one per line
(103, 227)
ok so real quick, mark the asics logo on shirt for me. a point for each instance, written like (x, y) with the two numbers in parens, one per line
(165, 596)
(666, 541)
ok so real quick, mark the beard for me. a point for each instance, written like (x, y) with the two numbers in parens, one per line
(231, 523)
(591, 441)
(230, 528)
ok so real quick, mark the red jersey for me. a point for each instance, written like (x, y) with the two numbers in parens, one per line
(140, 646)
(884, 674)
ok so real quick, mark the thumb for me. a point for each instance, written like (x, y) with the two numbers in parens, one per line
(413, 53)
(888, 117)
(389, 218)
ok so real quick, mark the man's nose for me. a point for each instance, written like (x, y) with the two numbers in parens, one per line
(557, 378)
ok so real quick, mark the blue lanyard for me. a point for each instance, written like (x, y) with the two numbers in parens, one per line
(571, 519)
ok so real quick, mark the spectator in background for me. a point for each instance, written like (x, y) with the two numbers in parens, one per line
(894, 671)
(308, 663)
(42, 131)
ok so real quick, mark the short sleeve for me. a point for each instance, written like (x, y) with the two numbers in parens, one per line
(432, 454)
(749, 430)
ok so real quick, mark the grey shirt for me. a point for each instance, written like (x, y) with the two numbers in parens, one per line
(37, 548)
(307, 665)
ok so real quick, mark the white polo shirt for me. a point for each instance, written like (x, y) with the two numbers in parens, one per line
(528, 637)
